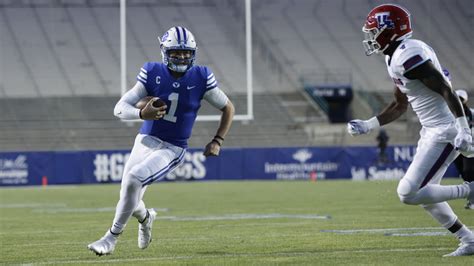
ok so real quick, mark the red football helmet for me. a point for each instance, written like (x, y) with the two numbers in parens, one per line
(384, 24)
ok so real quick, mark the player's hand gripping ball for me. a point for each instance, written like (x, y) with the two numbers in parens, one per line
(151, 108)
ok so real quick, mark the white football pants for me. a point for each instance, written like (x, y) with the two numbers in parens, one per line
(421, 183)
(150, 160)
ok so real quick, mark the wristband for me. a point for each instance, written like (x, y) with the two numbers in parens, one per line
(373, 123)
(219, 137)
(218, 143)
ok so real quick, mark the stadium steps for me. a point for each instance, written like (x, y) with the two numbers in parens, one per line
(65, 123)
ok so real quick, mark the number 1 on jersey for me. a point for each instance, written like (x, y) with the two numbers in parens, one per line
(173, 97)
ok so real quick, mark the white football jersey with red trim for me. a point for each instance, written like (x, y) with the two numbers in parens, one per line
(430, 107)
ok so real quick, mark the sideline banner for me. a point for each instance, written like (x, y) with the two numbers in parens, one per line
(85, 167)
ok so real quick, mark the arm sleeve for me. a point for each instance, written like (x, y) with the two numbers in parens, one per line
(216, 97)
(125, 108)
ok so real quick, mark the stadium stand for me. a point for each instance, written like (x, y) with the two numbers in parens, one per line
(76, 123)
(59, 76)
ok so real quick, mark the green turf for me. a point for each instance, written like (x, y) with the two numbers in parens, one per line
(66, 218)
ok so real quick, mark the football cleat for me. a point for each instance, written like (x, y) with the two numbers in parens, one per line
(465, 249)
(105, 245)
(144, 229)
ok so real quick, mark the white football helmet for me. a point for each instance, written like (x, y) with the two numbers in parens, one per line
(178, 38)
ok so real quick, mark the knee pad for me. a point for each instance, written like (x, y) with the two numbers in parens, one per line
(406, 192)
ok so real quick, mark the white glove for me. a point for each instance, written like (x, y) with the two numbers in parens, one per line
(358, 127)
(463, 139)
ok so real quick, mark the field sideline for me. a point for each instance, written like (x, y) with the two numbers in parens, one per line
(248, 222)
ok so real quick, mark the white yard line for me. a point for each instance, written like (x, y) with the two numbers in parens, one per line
(380, 230)
(404, 232)
(437, 233)
(74, 210)
(32, 205)
(243, 217)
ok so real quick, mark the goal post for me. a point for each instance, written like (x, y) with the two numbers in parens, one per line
(248, 58)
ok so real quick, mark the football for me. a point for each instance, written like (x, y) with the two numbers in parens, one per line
(143, 101)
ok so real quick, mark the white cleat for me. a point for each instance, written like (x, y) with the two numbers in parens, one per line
(464, 249)
(144, 229)
(105, 245)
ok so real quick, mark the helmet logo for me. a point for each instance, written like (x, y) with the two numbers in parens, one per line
(384, 20)
(165, 36)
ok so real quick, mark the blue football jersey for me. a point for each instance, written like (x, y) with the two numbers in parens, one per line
(182, 96)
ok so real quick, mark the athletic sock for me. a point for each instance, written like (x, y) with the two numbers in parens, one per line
(462, 232)
(115, 234)
(146, 217)
(140, 212)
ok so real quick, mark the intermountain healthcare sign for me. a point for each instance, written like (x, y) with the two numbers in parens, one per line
(82, 167)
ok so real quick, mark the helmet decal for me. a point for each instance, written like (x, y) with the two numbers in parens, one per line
(165, 36)
(384, 20)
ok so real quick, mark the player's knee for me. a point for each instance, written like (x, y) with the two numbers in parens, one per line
(140, 172)
(132, 182)
(130, 185)
(407, 192)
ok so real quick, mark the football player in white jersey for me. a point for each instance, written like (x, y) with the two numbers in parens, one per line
(419, 81)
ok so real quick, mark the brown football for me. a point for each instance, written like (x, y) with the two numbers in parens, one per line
(143, 101)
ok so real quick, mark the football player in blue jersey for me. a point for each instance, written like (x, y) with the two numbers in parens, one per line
(162, 141)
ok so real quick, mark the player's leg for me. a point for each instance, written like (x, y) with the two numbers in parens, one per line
(443, 213)
(140, 211)
(155, 166)
(421, 185)
(129, 199)
(429, 163)
(467, 175)
(145, 219)
(130, 193)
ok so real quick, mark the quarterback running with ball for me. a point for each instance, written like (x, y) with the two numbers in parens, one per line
(179, 86)
(419, 81)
